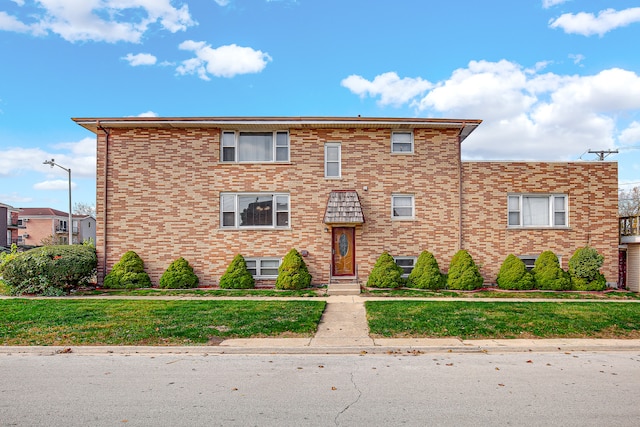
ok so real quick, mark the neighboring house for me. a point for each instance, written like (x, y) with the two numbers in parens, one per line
(8, 225)
(339, 189)
(38, 224)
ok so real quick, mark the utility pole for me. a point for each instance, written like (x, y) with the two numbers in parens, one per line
(602, 154)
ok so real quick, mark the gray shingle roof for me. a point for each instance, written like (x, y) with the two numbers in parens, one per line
(343, 207)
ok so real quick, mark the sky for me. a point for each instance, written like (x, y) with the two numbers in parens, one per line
(551, 79)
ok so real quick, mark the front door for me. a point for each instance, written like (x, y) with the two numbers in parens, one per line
(344, 251)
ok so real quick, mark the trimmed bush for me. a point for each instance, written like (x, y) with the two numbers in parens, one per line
(463, 272)
(128, 273)
(426, 273)
(179, 275)
(50, 270)
(237, 275)
(548, 274)
(386, 273)
(514, 275)
(584, 269)
(293, 272)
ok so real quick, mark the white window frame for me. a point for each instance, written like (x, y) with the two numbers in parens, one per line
(517, 214)
(259, 267)
(393, 142)
(403, 217)
(327, 146)
(405, 258)
(529, 260)
(233, 146)
(233, 202)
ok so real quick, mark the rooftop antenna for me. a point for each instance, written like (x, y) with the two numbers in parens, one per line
(602, 154)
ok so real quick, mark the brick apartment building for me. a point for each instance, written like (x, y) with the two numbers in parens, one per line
(38, 224)
(341, 190)
(8, 225)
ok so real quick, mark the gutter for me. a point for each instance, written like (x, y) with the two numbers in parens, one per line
(104, 199)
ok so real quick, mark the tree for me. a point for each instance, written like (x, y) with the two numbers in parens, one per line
(548, 274)
(463, 272)
(293, 272)
(237, 275)
(385, 273)
(629, 202)
(426, 274)
(52, 240)
(81, 208)
(514, 275)
(179, 275)
(128, 273)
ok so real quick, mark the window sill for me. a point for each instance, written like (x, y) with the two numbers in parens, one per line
(288, 162)
(254, 228)
(333, 178)
(403, 218)
(401, 153)
(537, 227)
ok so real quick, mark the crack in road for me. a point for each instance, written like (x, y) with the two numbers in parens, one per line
(346, 408)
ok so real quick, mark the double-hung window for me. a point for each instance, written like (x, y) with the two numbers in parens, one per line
(537, 210)
(332, 160)
(255, 146)
(406, 263)
(402, 206)
(402, 142)
(260, 210)
(263, 268)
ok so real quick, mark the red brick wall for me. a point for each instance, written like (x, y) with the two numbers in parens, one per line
(592, 190)
(163, 198)
(164, 186)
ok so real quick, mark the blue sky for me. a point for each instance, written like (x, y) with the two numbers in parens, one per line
(551, 79)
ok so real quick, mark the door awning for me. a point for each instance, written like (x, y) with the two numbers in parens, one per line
(343, 207)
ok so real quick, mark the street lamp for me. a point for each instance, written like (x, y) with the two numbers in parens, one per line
(53, 163)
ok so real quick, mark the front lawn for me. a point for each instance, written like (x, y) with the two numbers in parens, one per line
(147, 322)
(498, 293)
(485, 320)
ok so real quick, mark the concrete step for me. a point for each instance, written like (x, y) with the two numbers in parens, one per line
(343, 289)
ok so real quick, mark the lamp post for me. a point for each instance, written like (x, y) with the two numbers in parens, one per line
(53, 163)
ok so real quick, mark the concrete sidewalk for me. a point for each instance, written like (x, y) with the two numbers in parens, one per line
(343, 329)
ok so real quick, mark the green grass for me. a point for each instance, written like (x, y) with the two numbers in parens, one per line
(148, 322)
(564, 295)
(484, 320)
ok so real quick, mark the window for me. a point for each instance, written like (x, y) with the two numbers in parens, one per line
(529, 261)
(254, 210)
(401, 142)
(402, 206)
(406, 263)
(332, 160)
(263, 268)
(255, 146)
(536, 210)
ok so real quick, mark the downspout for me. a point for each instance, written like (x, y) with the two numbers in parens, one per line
(460, 177)
(104, 199)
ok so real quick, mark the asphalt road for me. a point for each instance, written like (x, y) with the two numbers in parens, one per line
(520, 389)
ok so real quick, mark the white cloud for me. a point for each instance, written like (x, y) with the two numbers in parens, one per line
(550, 3)
(576, 58)
(389, 86)
(98, 20)
(587, 24)
(148, 114)
(140, 59)
(222, 2)
(630, 135)
(530, 115)
(79, 156)
(58, 184)
(224, 61)
(14, 199)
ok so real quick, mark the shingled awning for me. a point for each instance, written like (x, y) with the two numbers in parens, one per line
(343, 207)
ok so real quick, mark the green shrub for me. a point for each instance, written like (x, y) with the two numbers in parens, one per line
(179, 275)
(293, 272)
(50, 270)
(237, 276)
(463, 272)
(584, 269)
(426, 273)
(128, 273)
(514, 275)
(548, 274)
(386, 273)
(5, 257)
